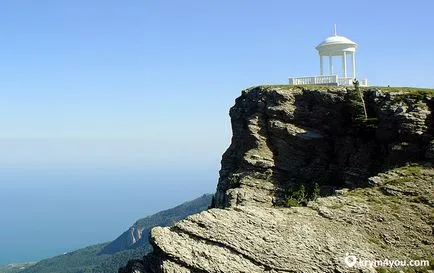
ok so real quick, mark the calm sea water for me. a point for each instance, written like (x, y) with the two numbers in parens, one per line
(44, 213)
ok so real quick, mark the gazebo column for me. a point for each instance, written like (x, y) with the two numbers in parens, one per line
(330, 65)
(354, 64)
(344, 64)
(321, 63)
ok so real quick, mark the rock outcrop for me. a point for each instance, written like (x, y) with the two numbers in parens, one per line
(375, 177)
(286, 136)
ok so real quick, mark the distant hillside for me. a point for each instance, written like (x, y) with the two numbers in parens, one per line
(132, 244)
(14, 268)
(85, 260)
(138, 234)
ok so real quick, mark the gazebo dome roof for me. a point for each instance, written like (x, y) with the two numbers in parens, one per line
(336, 40)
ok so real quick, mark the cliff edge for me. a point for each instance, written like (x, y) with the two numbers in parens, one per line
(306, 182)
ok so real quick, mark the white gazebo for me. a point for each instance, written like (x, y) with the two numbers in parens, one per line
(334, 46)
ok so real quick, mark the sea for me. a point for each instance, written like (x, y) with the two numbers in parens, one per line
(47, 212)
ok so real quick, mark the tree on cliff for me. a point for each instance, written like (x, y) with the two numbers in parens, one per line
(357, 103)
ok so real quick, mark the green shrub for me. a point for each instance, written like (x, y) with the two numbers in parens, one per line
(316, 192)
(300, 197)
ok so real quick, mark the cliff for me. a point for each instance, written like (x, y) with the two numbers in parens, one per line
(291, 145)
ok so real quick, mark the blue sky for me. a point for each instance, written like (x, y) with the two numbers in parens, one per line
(125, 69)
(147, 85)
(167, 71)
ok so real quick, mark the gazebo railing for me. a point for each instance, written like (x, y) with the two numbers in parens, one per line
(313, 80)
(325, 80)
(345, 81)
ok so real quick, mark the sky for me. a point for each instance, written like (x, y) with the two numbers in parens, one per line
(144, 88)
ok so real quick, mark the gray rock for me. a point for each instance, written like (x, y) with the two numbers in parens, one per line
(305, 136)
(373, 205)
(246, 238)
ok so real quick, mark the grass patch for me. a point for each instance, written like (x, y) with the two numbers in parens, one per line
(407, 90)
(359, 192)
(335, 206)
(411, 169)
(374, 240)
(398, 181)
(411, 91)
(375, 200)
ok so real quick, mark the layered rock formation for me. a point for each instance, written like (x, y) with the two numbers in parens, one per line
(375, 204)
(299, 135)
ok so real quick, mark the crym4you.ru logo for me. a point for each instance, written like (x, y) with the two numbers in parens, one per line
(351, 260)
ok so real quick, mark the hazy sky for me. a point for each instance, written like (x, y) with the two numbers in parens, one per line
(164, 73)
(121, 107)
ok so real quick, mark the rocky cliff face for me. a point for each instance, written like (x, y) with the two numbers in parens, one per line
(375, 204)
(284, 137)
